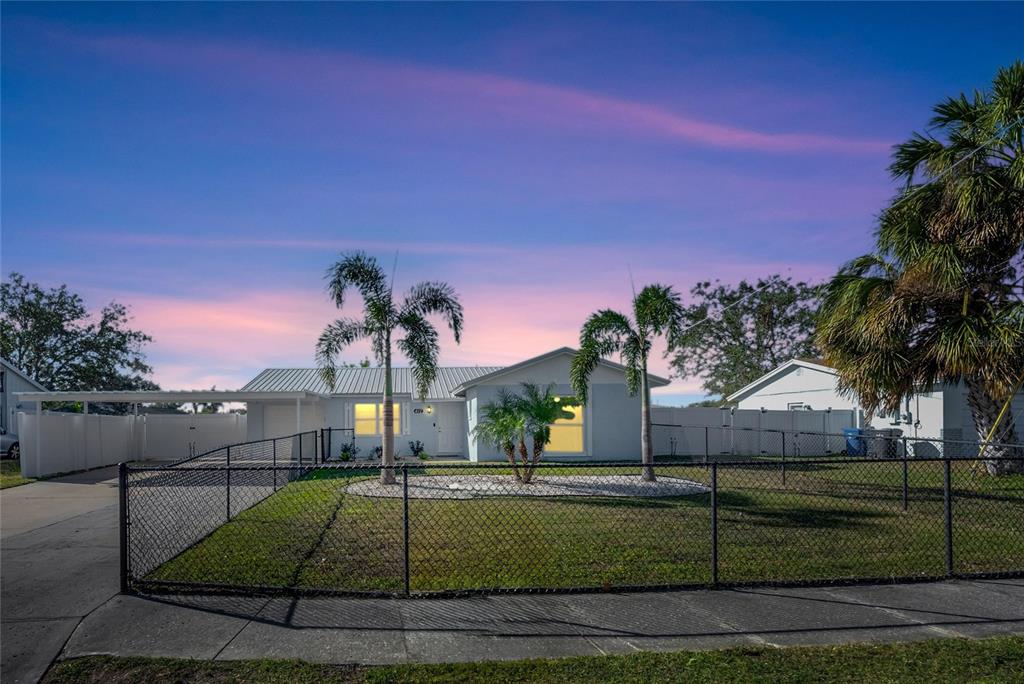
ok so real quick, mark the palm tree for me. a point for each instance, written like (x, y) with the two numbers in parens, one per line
(940, 299)
(656, 311)
(503, 425)
(382, 319)
(540, 407)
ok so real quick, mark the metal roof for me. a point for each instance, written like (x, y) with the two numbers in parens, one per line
(364, 380)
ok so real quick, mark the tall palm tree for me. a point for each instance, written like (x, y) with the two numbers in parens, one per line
(382, 319)
(940, 299)
(503, 425)
(540, 407)
(656, 311)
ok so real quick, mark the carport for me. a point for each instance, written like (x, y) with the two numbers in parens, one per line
(55, 442)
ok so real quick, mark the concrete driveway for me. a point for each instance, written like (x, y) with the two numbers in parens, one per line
(58, 562)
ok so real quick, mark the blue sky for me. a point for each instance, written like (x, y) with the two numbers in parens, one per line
(204, 163)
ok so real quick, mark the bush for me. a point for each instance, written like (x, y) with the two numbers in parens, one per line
(348, 452)
(418, 450)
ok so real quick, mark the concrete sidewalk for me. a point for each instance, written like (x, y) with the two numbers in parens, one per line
(374, 631)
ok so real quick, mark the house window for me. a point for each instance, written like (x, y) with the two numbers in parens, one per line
(567, 433)
(369, 419)
(795, 406)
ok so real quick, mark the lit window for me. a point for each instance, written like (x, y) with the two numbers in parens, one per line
(567, 433)
(369, 419)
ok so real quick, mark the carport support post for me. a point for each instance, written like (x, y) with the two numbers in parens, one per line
(405, 526)
(122, 522)
(705, 443)
(273, 451)
(38, 455)
(947, 504)
(714, 524)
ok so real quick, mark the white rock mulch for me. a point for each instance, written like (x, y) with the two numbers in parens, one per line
(474, 486)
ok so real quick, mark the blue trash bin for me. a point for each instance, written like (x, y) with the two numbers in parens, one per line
(854, 443)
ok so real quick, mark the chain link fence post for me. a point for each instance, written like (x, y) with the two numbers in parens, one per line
(906, 484)
(122, 523)
(947, 504)
(783, 457)
(405, 527)
(228, 497)
(714, 524)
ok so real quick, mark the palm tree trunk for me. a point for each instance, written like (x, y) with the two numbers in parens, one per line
(538, 453)
(646, 452)
(387, 459)
(524, 456)
(985, 411)
(510, 454)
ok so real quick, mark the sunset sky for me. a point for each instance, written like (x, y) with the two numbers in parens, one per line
(205, 163)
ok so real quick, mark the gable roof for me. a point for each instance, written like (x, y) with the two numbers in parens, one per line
(459, 391)
(21, 374)
(770, 376)
(363, 381)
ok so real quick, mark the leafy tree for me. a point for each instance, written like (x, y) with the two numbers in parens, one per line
(382, 319)
(939, 301)
(747, 330)
(656, 311)
(52, 336)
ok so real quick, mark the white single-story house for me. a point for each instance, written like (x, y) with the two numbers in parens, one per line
(810, 384)
(608, 427)
(284, 401)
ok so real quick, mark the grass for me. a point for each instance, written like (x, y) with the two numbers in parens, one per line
(828, 521)
(940, 661)
(10, 474)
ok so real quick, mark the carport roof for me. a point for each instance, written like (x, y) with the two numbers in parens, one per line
(180, 396)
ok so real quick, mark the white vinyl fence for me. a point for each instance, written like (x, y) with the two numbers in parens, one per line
(76, 441)
(694, 431)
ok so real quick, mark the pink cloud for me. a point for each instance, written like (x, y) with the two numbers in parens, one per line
(227, 338)
(343, 77)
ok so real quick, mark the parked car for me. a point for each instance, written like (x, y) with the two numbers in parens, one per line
(9, 447)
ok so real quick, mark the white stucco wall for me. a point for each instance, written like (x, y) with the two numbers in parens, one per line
(611, 419)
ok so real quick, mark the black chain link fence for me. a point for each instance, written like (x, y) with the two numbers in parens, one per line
(302, 525)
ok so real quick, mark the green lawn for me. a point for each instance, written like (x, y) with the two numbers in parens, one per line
(10, 474)
(938, 662)
(830, 521)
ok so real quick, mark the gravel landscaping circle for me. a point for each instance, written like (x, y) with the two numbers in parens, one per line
(474, 486)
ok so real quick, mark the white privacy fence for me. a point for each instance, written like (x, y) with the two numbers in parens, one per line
(696, 431)
(76, 441)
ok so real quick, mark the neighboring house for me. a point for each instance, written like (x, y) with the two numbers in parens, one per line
(607, 428)
(810, 384)
(12, 380)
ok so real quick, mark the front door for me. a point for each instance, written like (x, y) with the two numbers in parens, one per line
(449, 429)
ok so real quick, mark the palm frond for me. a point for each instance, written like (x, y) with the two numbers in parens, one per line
(358, 270)
(428, 298)
(334, 338)
(420, 346)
